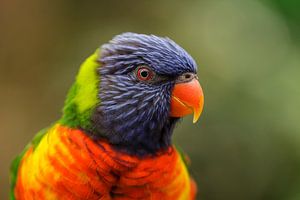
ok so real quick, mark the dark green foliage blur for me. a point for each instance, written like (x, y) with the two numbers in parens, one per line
(246, 146)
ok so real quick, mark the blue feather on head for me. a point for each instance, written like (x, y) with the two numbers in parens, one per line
(137, 76)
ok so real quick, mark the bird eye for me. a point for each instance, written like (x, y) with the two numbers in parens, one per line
(143, 73)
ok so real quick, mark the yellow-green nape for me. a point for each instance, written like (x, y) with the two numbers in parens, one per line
(82, 98)
(87, 82)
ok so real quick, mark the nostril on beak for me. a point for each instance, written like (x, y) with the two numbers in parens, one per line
(188, 76)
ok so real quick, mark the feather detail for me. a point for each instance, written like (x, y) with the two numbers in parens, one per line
(67, 164)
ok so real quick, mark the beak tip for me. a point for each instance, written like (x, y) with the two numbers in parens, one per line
(197, 113)
(195, 118)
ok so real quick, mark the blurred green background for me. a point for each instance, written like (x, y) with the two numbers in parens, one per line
(246, 145)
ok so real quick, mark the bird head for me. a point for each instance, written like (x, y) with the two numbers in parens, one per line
(133, 91)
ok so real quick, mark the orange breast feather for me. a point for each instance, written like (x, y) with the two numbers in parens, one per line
(67, 164)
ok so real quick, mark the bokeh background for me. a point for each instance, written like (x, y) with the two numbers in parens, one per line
(246, 145)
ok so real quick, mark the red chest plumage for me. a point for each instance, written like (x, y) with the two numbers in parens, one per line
(67, 164)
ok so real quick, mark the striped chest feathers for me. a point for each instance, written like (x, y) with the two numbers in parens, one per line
(67, 164)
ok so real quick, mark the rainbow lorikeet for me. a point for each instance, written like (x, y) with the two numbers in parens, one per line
(113, 140)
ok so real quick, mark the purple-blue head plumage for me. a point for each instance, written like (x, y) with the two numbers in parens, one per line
(137, 75)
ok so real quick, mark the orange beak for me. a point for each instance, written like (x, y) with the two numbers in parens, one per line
(187, 98)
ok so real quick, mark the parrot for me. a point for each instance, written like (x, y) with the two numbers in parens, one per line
(114, 138)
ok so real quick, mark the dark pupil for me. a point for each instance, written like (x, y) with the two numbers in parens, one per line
(144, 74)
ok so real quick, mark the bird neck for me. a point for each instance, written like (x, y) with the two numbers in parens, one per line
(141, 140)
(82, 98)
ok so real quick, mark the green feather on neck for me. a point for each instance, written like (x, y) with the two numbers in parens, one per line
(82, 98)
